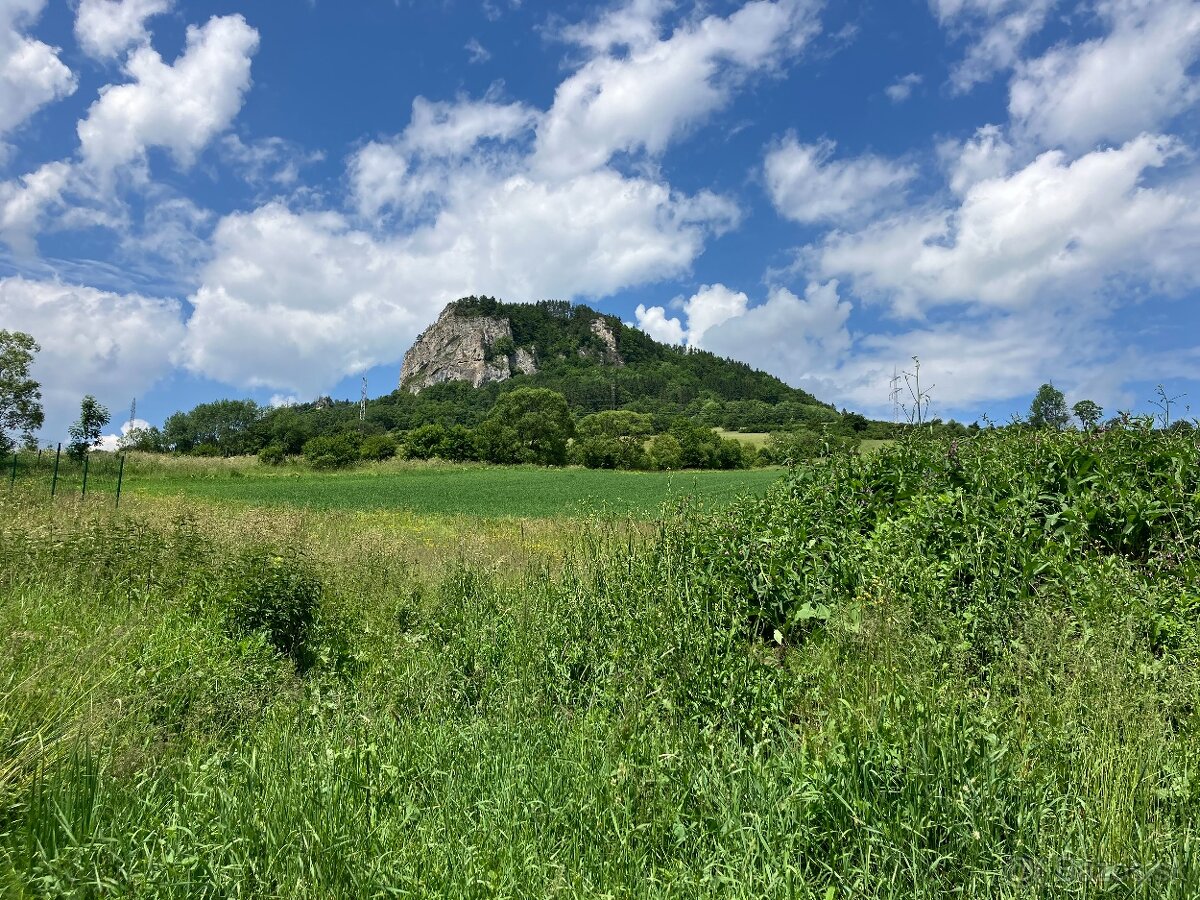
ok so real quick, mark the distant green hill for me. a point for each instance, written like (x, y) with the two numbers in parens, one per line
(573, 358)
(479, 349)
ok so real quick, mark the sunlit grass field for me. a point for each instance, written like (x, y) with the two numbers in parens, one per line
(944, 670)
(448, 490)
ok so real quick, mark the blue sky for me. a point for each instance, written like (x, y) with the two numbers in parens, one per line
(201, 200)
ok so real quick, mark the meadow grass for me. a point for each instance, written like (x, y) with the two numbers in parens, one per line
(755, 439)
(936, 671)
(455, 490)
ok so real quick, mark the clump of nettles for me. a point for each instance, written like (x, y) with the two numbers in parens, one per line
(274, 593)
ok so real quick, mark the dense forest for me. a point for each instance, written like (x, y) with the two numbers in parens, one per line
(655, 378)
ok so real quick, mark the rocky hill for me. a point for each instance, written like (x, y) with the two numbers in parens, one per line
(482, 346)
(474, 348)
(473, 341)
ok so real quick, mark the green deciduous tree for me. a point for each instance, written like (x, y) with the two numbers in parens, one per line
(1049, 408)
(86, 431)
(228, 425)
(527, 425)
(1088, 413)
(20, 395)
(378, 447)
(331, 451)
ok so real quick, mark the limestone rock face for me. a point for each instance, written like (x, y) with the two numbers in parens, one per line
(464, 348)
(524, 362)
(602, 330)
(479, 348)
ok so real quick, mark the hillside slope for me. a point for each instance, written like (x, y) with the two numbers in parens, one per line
(597, 362)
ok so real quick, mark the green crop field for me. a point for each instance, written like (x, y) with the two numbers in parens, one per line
(489, 491)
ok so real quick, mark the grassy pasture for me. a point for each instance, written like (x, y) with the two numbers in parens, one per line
(967, 670)
(755, 439)
(449, 490)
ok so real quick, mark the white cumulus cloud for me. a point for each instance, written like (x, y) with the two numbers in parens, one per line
(800, 337)
(1055, 225)
(114, 346)
(106, 28)
(704, 310)
(24, 201)
(31, 74)
(641, 99)
(1134, 79)
(998, 30)
(807, 184)
(987, 154)
(179, 107)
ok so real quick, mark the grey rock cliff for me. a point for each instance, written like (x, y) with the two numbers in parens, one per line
(602, 330)
(463, 348)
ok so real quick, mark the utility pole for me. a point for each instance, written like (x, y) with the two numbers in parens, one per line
(362, 402)
(132, 413)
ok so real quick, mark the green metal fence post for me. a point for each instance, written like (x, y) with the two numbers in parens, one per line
(12, 481)
(120, 476)
(86, 457)
(54, 480)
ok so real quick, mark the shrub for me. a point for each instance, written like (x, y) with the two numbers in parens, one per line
(805, 444)
(378, 447)
(665, 452)
(602, 452)
(207, 450)
(459, 444)
(272, 455)
(425, 442)
(331, 451)
(274, 593)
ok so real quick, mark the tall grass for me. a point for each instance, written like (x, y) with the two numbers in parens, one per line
(859, 686)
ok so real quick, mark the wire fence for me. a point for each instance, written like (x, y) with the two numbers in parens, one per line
(59, 475)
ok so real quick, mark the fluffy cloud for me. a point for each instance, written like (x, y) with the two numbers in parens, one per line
(296, 301)
(985, 155)
(998, 30)
(31, 74)
(112, 442)
(802, 337)
(23, 203)
(635, 23)
(1054, 227)
(807, 185)
(966, 362)
(1134, 79)
(415, 173)
(655, 322)
(454, 129)
(179, 107)
(114, 346)
(105, 28)
(807, 341)
(642, 99)
(707, 308)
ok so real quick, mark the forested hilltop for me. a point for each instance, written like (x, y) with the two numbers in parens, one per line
(582, 387)
(642, 375)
